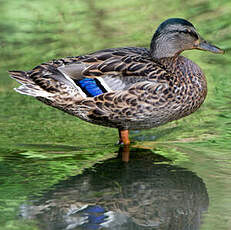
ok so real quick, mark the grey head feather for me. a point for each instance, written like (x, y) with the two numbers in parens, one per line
(172, 37)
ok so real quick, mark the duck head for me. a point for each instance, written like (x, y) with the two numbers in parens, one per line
(176, 35)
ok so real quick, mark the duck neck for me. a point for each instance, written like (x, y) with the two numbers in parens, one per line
(162, 47)
(169, 63)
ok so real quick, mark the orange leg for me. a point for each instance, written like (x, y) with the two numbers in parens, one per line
(124, 137)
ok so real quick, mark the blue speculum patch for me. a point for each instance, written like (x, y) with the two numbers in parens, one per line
(92, 87)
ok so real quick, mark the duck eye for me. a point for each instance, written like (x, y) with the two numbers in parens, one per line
(186, 31)
(190, 32)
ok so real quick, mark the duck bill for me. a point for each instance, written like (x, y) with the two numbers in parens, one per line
(204, 45)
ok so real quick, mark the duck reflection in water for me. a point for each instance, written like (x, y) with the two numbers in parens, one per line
(141, 194)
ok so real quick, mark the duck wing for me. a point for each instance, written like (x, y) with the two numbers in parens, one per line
(105, 71)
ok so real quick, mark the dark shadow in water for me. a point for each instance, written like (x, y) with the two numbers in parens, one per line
(114, 195)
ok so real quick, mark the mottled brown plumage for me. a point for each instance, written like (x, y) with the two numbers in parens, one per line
(126, 88)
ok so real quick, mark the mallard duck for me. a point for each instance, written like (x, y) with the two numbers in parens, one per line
(126, 88)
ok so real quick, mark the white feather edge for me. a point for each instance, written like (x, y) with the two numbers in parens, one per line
(73, 83)
(100, 79)
(34, 92)
(103, 83)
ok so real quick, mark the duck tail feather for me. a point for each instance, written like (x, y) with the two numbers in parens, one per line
(20, 76)
(28, 87)
(33, 90)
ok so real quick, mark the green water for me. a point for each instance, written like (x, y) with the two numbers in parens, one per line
(179, 175)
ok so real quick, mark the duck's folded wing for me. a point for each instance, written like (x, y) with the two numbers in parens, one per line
(100, 72)
(109, 70)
